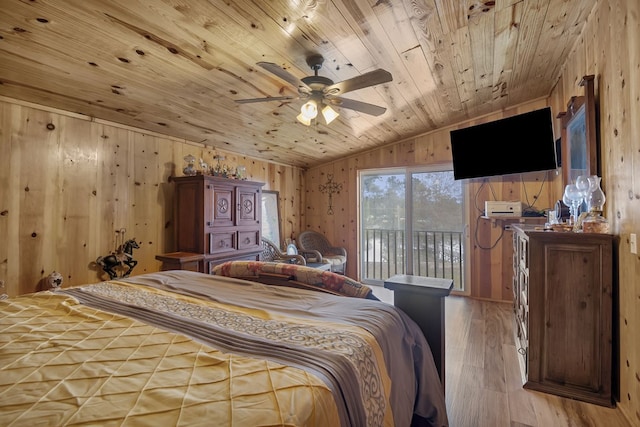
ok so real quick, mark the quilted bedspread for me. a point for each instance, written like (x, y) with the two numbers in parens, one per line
(182, 348)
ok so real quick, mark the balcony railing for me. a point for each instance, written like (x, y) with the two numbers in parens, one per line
(435, 254)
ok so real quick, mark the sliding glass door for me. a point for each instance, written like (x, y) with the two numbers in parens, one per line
(411, 222)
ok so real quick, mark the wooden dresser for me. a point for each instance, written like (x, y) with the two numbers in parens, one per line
(563, 285)
(216, 220)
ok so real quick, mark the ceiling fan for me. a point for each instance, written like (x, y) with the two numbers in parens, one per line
(322, 92)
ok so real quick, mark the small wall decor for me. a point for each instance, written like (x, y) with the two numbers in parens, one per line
(330, 188)
(121, 258)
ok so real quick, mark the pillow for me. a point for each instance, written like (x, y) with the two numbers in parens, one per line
(300, 276)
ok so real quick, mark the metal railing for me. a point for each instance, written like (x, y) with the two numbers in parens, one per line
(435, 254)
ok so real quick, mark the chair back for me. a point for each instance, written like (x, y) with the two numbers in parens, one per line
(268, 250)
(272, 253)
(312, 240)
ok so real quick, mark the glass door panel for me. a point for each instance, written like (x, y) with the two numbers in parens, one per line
(411, 222)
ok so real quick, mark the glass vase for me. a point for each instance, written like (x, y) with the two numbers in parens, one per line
(573, 198)
(596, 198)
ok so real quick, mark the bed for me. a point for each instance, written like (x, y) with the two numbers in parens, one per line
(256, 344)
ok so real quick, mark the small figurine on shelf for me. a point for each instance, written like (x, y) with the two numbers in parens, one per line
(121, 258)
(189, 170)
(204, 167)
(220, 169)
(54, 280)
(241, 172)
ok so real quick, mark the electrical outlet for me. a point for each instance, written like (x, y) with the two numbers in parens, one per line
(633, 244)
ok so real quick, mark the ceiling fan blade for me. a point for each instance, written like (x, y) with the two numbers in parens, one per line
(269, 98)
(363, 107)
(283, 74)
(371, 78)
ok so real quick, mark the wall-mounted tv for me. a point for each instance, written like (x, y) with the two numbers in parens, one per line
(517, 144)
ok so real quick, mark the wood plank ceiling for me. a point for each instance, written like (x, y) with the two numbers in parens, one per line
(177, 66)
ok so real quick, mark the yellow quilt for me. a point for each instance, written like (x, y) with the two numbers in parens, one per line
(62, 363)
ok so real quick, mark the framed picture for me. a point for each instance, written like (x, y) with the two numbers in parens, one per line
(579, 144)
(271, 217)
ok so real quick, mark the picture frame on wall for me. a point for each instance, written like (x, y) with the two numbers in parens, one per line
(579, 139)
(271, 217)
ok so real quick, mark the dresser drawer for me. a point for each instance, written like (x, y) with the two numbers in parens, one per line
(222, 242)
(523, 252)
(248, 239)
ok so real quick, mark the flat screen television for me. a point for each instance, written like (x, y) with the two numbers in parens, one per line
(517, 144)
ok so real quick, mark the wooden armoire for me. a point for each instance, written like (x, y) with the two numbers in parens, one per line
(217, 219)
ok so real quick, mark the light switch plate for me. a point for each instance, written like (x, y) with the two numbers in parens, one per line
(633, 244)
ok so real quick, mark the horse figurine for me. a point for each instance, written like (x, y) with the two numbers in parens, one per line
(122, 257)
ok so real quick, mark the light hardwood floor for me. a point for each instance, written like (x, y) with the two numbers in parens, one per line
(483, 386)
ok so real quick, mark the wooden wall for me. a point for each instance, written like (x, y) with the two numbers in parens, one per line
(609, 48)
(67, 183)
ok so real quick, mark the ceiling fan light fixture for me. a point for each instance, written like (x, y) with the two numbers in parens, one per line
(317, 89)
(309, 109)
(302, 119)
(329, 114)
